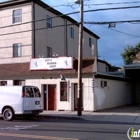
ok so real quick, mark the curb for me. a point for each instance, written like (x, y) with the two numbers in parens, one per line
(58, 117)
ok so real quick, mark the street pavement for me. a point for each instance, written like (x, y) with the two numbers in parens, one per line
(124, 114)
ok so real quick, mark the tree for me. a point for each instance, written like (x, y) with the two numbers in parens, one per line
(129, 54)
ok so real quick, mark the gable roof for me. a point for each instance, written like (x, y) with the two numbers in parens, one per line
(49, 8)
(22, 69)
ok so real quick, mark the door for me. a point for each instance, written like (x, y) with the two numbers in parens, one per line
(45, 96)
(75, 97)
(37, 99)
(51, 97)
(29, 103)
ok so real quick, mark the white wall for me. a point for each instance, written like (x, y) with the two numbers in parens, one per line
(68, 105)
(115, 94)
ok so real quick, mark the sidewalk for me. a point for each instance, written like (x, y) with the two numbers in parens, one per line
(120, 115)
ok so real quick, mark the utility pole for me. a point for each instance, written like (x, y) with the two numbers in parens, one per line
(80, 47)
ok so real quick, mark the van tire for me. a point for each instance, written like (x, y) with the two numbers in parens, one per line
(8, 114)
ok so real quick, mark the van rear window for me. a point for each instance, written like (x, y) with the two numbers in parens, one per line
(29, 92)
(37, 92)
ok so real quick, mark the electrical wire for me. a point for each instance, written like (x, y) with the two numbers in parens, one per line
(73, 9)
(63, 15)
(121, 32)
(48, 8)
(112, 3)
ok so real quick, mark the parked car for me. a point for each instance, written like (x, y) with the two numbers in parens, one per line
(19, 100)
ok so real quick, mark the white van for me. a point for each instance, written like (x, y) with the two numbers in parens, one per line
(19, 100)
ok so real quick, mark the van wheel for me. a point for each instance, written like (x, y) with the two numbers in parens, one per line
(8, 114)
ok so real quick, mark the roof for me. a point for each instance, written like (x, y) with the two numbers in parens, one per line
(132, 66)
(49, 8)
(22, 69)
(111, 77)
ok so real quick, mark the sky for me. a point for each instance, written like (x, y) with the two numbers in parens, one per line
(112, 40)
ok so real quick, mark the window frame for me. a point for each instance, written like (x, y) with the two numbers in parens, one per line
(18, 82)
(17, 16)
(17, 53)
(49, 51)
(37, 93)
(72, 32)
(49, 22)
(29, 93)
(63, 91)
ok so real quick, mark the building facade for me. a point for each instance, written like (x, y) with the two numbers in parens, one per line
(32, 29)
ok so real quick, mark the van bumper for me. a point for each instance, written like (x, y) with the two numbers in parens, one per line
(32, 111)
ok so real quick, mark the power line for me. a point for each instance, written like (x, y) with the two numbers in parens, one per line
(121, 32)
(107, 22)
(72, 8)
(49, 7)
(62, 25)
(96, 10)
(117, 8)
(36, 29)
(112, 3)
(4, 47)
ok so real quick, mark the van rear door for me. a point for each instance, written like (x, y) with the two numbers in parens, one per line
(38, 99)
(29, 100)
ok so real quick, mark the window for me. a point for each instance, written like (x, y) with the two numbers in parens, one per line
(17, 16)
(16, 50)
(72, 32)
(19, 82)
(49, 22)
(37, 92)
(49, 52)
(90, 42)
(63, 91)
(3, 83)
(29, 92)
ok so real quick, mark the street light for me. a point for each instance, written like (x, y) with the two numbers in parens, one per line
(79, 95)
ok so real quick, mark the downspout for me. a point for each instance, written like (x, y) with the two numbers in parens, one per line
(65, 38)
(33, 30)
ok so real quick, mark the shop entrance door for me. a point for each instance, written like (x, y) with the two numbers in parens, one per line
(52, 97)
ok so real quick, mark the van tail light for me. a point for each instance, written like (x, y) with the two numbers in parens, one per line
(23, 94)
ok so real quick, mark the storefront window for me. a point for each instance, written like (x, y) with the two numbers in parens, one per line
(63, 91)
(3, 83)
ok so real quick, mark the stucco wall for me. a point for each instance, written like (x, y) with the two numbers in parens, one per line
(73, 43)
(51, 37)
(116, 93)
(15, 33)
(58, 38)
(68, 105)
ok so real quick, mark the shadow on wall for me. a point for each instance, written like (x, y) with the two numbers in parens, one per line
(104, 100)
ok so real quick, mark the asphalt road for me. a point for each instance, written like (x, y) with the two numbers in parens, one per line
(50, 129)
